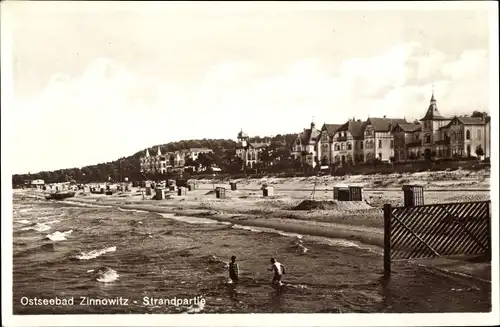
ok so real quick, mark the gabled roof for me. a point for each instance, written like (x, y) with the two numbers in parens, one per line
(470, 120)
(409, 127)
(330, 129)
(309, 135)
(384, 124)
(356, 128)
(433, 112)
(466, 121)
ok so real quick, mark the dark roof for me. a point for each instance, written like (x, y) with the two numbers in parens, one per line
(309, 134)
(356, 128)
(466, 121)
(470, 120)
(242, 135)
(410, 127)
(331, 128)
(384, 124)
(433, 112)
(257, 145)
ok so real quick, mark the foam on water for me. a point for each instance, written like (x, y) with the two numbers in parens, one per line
(189, 220)
(58, 236)
(38, 227)
(50, 222)
(94, 253)
(107, 275)
(132, 210)
(88, 205)
(23, 221)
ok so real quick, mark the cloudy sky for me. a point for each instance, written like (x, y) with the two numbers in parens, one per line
(92, 83)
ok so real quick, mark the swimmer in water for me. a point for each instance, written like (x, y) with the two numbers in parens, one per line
(234, 270)
(279, 271)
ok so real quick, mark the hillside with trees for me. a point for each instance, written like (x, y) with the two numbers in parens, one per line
(223, 156)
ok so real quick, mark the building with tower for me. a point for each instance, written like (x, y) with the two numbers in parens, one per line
(306, 146)
(249, 152)
(434, 139)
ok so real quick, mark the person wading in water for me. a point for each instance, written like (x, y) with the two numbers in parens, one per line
(279, 271)
(234, 270)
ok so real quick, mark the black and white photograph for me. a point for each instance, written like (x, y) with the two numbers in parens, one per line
(249, 163)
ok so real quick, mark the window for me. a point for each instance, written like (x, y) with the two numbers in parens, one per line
(392, 144)
(427, 138)
(342, 146)
(380, 143)
(479, 135)
(367, 144)
(349, 146)
(467, 135)
(361, 145)
(468, 150)
(380, 156)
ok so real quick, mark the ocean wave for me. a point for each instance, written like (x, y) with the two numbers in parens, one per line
(267, 230)
(23, 221)
(49, 216)
(252, 229)
(94, 253)
(58, 236)
(349, 244)
(39, 227)
(189, 220)
(106, 275)
(88, 205)
(132, 210)
(50, 222)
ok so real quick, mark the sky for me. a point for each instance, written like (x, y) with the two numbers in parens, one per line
(91, 83)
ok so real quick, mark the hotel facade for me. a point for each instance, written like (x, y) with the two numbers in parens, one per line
(395, 139)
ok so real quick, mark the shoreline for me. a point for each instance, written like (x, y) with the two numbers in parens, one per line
(366, 235)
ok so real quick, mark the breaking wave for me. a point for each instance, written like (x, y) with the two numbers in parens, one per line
(94, 253)
(58, 236)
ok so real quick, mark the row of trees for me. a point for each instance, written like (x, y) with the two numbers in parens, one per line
(223, 157)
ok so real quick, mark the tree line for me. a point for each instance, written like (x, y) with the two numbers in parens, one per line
(223, 156)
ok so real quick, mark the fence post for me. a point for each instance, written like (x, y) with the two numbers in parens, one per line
(387, 239)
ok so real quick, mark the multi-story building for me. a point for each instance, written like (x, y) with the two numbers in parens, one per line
(407, 142)
(347, 143)
(154, 164)
(434, 140)
(378, 139)
(465, 134)
(325, 143)
(249, 152)
(305, 147)
(193, 153)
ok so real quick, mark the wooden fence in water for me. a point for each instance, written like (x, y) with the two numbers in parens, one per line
(436, 230)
